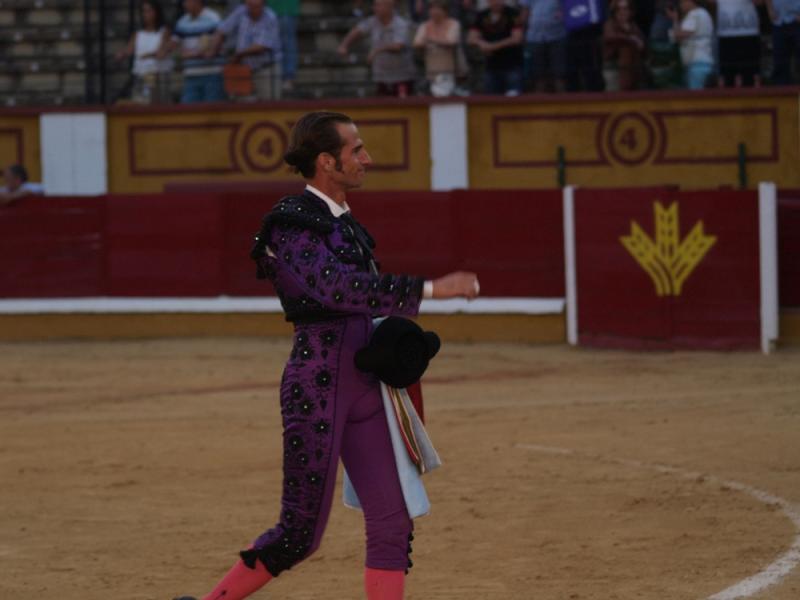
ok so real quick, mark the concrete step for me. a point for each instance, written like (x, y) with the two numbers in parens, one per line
(15, 35)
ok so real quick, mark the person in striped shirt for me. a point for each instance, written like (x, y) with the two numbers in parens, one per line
(202, 74)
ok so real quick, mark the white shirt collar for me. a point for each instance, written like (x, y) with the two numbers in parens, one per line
(336, 209)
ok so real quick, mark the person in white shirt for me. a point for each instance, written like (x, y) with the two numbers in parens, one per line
(739, 43)
(694, 33)
(149, 47)
(440, 39)
(17, 185)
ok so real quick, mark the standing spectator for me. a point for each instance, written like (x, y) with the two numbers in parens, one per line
(440, 37)
(659, 28)
(694, 34)
(497, 32)
(583, 20)
(288, 11)
(739, 43)
(149, 47)
(390, 50)
(202, 74)
(17, 185)
(785, 15)
(258, 45)
(545, 44)
(623, 48)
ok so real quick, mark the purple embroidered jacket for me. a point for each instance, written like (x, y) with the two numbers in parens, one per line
(326, 278)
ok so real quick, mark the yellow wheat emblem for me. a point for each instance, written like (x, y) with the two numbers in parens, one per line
(668, 260)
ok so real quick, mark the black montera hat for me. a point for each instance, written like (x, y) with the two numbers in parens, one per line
(398, 352)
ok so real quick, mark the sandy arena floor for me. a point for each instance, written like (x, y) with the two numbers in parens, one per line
(138, 469)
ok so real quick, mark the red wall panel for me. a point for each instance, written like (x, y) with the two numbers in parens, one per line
(513, 239)
(242, 215)
(164, 245)
(194, 243)
(789, 247)
(415, 232)
(52, 247)
(718, 305)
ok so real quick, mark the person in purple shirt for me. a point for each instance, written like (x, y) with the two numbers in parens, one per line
(321, 263)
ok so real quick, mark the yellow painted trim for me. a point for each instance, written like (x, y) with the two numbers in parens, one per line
(534, 329)
(462, 328)
(789, 327)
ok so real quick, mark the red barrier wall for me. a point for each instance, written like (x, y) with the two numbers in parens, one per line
(789, 247)
(54, 247)
(197, 244)
(717, 305)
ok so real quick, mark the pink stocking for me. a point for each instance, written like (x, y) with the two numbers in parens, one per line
(384, 585)
(240, 582)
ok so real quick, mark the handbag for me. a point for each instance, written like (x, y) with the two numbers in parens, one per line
(238, 79)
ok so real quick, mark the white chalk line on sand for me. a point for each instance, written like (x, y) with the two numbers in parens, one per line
(769, 575)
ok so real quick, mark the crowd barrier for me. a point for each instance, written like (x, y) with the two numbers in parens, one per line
(789, 247)
(194, 245)
(636, 267)
(699, 139)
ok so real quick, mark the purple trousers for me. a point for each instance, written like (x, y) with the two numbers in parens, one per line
(330, 410)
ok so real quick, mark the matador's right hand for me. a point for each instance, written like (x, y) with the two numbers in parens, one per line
(460, 284)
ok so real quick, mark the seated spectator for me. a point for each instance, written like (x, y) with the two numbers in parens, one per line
(390, 50)
(149, 47)
(17, 185)
(202, 75)
(545, 44)
(258, 46)
(584, 20)
(497, 32)
(440, 37)
(694, 34)
(287, 11)
(785, 16)
(623, 48)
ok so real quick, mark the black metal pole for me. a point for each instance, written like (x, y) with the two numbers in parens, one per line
(131, 17)
(742, 166)
(102, 50)
(561, 161)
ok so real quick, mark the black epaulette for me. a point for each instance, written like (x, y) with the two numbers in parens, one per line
(304, 211)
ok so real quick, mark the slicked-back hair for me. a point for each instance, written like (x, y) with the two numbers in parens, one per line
(312, 135)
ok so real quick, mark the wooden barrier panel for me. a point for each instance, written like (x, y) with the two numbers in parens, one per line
(614, 140)
(198, 244)
(52, 247)
(667, 269)
(151, 149)
(19, 143)
(789, 247)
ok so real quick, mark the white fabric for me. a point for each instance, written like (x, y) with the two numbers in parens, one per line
(697, 48)
(27, 186)
(148, 42)
(736, 18)
(416, 498)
